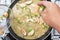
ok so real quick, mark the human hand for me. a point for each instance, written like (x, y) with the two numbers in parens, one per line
(51, 14)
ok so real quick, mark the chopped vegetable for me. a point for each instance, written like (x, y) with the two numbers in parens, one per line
(42, 8)
(31, 32)
(29, 2)
(44, 25)
(29, 29)
(23, 32)
(36, 19)
(22, 5)
(36, 15)
(27, 10)
(18, 20)
(30, 20)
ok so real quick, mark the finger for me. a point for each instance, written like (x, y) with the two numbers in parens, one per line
(43, 13)
(45, 3)
(44, 16)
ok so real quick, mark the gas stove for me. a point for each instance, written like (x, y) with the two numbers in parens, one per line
(6, 3)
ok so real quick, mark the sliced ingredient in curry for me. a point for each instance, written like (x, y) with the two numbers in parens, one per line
(30, 32)
(23, 31)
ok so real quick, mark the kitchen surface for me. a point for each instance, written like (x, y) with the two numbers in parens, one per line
(4, 4)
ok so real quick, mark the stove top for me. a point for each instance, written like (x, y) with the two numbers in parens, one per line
(54, 34)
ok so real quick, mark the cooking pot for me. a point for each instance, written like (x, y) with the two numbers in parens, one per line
(16, 36)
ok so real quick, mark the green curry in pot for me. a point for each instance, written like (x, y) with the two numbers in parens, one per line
(26, 21)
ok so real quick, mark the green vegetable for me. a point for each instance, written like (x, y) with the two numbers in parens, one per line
(45, 26)
(30, 29)
(18, 20)
(36, 15)
(42, 8)
(28, 2)
(28, 11)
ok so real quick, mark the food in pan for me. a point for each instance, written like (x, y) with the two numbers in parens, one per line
(25, 20)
